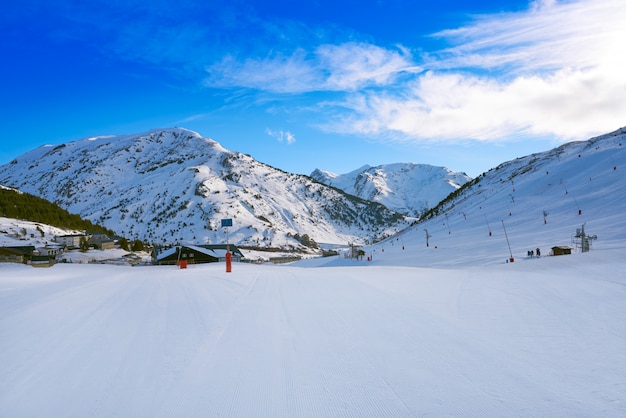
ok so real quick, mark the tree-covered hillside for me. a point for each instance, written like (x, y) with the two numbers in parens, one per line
(18, 205)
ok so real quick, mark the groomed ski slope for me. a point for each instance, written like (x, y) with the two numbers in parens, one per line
(542, 337)
(445, 330)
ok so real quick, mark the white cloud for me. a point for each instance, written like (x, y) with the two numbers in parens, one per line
(354, 65)
(276, 73)
(555, 70)
(344, 67)
(571, 104)
(549, 36)
(282, 136)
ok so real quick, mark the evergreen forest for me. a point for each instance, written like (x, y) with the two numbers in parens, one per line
(25, 206)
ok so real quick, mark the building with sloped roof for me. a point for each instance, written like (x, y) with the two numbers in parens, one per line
(561, 250)
(194, 254)
(18, 254)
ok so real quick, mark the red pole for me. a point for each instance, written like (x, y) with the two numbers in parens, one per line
(228, 262)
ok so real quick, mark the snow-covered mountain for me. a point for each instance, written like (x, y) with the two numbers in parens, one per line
(173, 185)
(537, 201)
(403, 187)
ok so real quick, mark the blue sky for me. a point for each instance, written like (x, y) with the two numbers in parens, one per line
(318, 84)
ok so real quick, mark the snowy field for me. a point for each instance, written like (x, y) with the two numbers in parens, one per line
(542, 337)
(448, 329)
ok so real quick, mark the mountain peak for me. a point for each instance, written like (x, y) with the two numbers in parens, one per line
(173, 185)
(407, 188)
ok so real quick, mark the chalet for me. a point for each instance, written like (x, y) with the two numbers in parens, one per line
(22, 254)
(561, 250)
(100, 241)
(194, 254)
(69, 241)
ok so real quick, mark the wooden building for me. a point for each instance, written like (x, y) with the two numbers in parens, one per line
(20, 254)
(561, 250)
(194, 254)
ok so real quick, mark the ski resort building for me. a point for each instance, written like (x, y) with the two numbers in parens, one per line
(70, 241)
(194, 254)
(26, 254)
(20, 254)
(100, 241)
(561, 250)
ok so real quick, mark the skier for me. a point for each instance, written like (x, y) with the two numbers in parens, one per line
(538, 252)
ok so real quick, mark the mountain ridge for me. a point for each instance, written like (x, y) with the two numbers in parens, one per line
(173, 185)
(407, 188)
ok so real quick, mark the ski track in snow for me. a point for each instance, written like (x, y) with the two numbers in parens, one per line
(530, 339)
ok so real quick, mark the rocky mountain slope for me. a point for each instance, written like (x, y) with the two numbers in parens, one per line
(173, 185)
(407, 188)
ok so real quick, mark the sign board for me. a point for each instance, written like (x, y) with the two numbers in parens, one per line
(227, 222)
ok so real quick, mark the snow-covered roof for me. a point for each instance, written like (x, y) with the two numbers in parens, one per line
(164, 253)
(202, 250)
(170, 251)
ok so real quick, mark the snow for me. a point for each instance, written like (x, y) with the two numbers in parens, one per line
(452, 329)
(14, 232)
(545, 338)
(113, 256)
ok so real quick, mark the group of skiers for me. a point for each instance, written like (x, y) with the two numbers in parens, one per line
(531, 253)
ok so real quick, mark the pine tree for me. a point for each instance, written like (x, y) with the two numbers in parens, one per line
(84, 244)
(123, 243)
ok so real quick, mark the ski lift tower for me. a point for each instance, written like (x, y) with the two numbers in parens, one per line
(507, 242)
(427, 236)
(583, 240)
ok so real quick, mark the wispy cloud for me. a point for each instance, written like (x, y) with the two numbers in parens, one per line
(355, 65)
(554, 70)
(275, 73)
(549, 36)
(344, 67)
(282, 136)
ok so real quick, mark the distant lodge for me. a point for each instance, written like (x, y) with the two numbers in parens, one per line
(46, 256)
(97, 240)
(194, 254)
(561, 250)
(28, 254)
